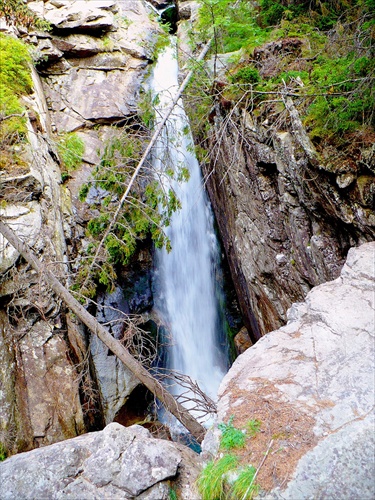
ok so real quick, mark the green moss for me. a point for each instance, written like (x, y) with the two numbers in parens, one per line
(247, 74)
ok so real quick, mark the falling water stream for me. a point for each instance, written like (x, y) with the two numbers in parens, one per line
(186, 292)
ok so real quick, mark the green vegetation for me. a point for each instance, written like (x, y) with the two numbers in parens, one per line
(146, 108)
(232, 24)
(172, 494)
(162, 40)
(212, 480)
(349, 97)
(15, 81)
(321, 54)
(3, 452)
(148, 210)
(253, 427)
(244, 487)
(231, 437)
(71, 149)
(225, 478)
(17, 13)
(247, 74)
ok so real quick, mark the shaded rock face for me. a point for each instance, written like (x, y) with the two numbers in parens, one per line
(311, 385)
(115, 381)
(118, 462)
(286, 220)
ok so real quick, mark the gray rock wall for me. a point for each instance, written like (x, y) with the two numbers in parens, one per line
(40, 397)
(286, 222)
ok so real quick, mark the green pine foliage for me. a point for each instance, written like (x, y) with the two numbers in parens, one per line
(71, 149)
(147, 212)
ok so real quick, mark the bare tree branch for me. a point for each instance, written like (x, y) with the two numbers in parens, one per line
(181, 413)
(14, 115)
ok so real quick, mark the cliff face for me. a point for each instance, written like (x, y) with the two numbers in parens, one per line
(288, 209)
(40, 400)
(90, 69)
(287, 217)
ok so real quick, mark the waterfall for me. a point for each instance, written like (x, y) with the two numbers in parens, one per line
(186, 294)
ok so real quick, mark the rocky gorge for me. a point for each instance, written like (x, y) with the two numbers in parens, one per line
(287, 217)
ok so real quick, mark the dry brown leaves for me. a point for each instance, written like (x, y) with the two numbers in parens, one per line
(289, 428)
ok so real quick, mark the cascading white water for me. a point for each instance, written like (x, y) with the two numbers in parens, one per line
(186, 294)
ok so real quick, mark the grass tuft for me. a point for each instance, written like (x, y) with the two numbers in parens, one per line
(231, 436)
(211, 481)
(244, 487)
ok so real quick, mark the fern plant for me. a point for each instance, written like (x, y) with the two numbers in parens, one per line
(231, 437)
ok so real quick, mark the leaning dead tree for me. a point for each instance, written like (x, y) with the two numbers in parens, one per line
(170, 403)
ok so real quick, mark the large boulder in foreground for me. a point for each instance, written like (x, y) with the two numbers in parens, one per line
(118, 462)
(311, 385)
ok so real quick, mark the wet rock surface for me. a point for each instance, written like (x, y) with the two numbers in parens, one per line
(285, 222)
(115, 381)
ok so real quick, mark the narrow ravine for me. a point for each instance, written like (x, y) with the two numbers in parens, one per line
(186, 293)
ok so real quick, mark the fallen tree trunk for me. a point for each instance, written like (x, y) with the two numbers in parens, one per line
(181, 413)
